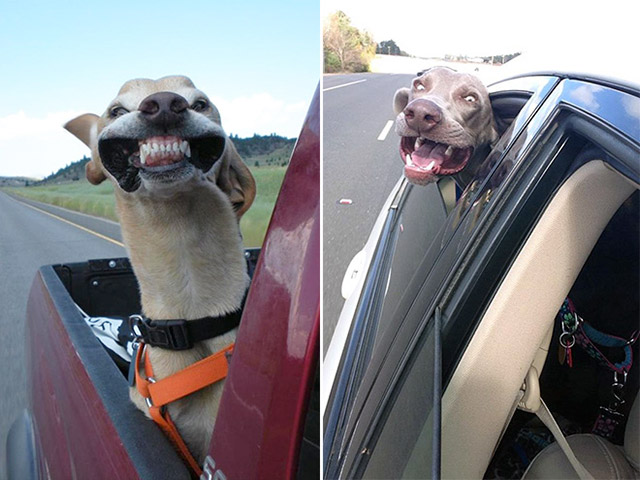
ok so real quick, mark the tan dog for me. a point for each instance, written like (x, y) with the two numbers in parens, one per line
(446, 122)
(180, 189)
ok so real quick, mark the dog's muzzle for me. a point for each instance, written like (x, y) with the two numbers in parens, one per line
(161, 142)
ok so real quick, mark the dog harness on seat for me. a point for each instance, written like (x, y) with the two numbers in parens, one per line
(159, 393)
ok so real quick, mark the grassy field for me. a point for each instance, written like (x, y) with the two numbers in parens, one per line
(272, 159)
(99, 201)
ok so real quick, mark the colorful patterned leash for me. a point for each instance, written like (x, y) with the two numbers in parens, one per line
(576, 331)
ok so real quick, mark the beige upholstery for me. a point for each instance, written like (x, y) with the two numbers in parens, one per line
(600, 457)
(632, 436)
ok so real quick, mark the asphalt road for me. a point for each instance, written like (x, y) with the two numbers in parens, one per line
(30, 238)
(357, 166)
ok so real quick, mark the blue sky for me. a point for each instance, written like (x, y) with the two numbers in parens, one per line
(258, 61)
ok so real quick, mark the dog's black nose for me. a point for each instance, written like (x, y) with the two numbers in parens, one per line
(422, 115)
(164, 108)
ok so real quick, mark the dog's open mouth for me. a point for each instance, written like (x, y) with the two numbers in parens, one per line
(426, 160)
(157, 158)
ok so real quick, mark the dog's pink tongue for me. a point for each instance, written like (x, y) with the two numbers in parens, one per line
(427, 154)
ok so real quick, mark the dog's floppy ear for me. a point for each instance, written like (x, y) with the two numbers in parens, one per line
(235, 179)
(94, 173)
(85, 128)
(400, 100)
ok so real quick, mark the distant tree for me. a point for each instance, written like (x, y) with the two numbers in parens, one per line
(510, 56)
(346, 49)
(500, 59)
(389, 47)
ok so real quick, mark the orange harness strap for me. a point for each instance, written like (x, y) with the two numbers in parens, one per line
(159, 393)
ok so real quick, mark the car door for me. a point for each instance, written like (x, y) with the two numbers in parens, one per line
(388, 430)
(412, 259)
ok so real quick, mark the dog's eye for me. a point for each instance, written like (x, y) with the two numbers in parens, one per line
(471, 98)
(199, 105)
(117, 111)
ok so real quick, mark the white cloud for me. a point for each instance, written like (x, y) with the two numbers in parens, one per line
(261, 113)
(585, 94)
(20, 125)
(36, 146)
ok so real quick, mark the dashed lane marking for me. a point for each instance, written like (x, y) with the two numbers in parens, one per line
(385, 131)
(344, 85)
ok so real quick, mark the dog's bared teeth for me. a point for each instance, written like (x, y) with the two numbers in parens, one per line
(449, 151)
(408, 159)
(162, 150)
(187, 152)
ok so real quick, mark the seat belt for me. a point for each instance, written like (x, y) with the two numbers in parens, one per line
(532, 402)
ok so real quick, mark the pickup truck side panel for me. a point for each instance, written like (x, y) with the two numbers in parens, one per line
(262, 414)
(79, 400)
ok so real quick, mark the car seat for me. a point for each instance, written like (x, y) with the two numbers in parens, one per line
(601, 458)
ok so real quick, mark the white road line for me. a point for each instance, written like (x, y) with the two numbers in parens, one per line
(344, 85)
(385, 131)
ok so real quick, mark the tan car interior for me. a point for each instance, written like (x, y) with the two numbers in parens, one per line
(501, 364)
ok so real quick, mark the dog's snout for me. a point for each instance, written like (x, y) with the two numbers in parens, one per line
(422, 115)
(164, 108)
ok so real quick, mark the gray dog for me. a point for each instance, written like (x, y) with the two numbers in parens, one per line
(446, 124)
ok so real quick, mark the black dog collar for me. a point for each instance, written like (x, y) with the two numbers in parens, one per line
(182, 334)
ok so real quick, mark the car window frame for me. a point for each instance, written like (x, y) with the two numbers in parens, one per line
(580, 121)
